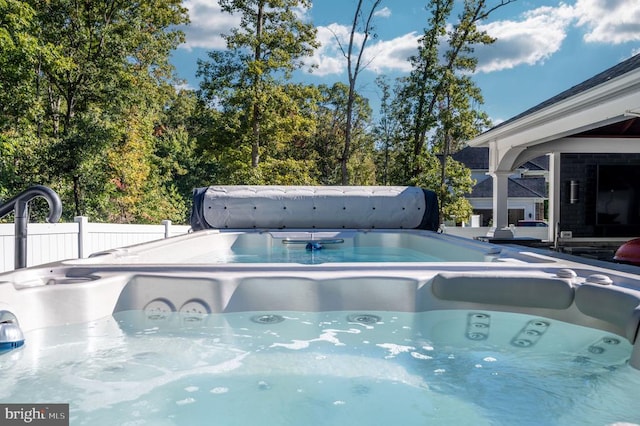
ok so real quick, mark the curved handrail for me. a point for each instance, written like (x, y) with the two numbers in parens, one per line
(55, 205)
(20, 204)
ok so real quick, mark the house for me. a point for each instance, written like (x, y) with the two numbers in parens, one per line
(590, 134)
(527, 187)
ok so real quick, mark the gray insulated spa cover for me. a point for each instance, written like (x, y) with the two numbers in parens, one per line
(319, 207)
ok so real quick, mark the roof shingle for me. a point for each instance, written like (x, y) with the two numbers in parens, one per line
(608, 74)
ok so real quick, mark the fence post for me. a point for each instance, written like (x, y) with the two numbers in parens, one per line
(167, 228)
(83, 234)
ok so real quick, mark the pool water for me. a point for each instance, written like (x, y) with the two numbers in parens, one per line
(327, 254)
(327, 368)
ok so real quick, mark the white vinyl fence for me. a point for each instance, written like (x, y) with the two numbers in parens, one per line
(50, 242)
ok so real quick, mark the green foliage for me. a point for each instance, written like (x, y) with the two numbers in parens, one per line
(328, 140)
(110, 56)
(362, 169)
(232, 169)
(76, 70)
(246, 80)
(440, 87)
(89, 106)
(286, 172)
(434, 110)
(19, 53)
(21, 163)
(450, 194)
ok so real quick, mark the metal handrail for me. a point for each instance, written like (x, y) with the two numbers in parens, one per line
(20, 204)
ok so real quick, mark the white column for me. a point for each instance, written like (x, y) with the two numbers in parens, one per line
(554, 195)
(500, 197)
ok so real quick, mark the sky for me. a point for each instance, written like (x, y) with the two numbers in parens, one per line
(543, 47)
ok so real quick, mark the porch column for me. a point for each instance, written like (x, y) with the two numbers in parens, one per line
(500, 196)
(554, 195)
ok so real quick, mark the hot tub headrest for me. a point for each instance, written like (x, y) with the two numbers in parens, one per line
(321, 207)
(617, 305)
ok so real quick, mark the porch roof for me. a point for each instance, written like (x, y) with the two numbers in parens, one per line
(599, 115)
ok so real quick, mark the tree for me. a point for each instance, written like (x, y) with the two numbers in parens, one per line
(77, 69)
(433, 76)
(332, 118)
(385, 130)
(180, 137)
(364, 24)
(393, 135)
(288, 130)
(452, 203)
(19, 51)
(20, 158)
(245, 80)
(438, 101)
(110, 55)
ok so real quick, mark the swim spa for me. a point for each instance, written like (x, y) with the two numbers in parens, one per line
(171, 333)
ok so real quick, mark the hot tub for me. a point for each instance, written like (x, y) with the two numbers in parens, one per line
(237, 325)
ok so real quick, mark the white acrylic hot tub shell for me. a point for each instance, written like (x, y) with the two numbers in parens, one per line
(193, 248)
(157, 277)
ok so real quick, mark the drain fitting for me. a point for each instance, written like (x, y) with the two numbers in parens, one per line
(267, 319)
(364, 318)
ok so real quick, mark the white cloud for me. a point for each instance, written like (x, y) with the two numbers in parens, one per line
(302, 13)
(184, 86)
(208, 23)
(328, 58)
(379, 55)
(541, 32)
(529, 41)
(392, 55)
(385, 12)
(609, 21)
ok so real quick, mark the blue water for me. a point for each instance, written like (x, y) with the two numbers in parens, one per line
(328, 368)
(328, 254)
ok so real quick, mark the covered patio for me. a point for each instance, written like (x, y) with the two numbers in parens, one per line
(598, 116)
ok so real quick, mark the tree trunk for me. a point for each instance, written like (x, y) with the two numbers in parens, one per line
(353, 71)
(76, 195)
(443, 172)
(255, 114)
(346, 152)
